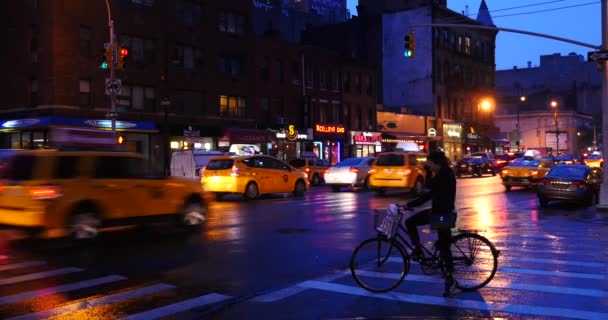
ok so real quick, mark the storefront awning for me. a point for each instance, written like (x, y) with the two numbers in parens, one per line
(69, 122)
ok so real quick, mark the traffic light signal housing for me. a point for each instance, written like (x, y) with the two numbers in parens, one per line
(409, 45)
(122, 54)
(106, 59)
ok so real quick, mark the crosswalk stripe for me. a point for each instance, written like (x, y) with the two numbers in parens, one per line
(494, 284)
(554, 273)
(21, 265)
(177, 307)
(87, 304)
(38, 275)
(457, 303)
(295, 289)
(59, 289)
(562, 262)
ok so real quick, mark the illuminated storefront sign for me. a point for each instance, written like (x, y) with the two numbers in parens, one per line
(291, 134)
(329, 129)
(363, 137)
(431, 132)
(76, 122)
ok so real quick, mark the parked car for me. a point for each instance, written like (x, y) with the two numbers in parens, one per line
(252, 176)
(474, 166)
(567, 159)
(571, 182)
(525, 172)
(486, 155)
(352, 172)
(502, 160)
(314, 168)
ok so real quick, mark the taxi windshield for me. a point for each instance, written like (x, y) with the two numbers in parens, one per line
(594, 157)
(525, 163)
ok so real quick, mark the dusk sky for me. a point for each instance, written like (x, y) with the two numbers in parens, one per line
(578, 20)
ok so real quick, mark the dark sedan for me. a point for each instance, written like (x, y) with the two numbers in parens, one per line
(570, 182)
(474, 166)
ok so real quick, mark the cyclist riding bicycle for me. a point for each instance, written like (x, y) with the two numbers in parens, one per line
(442, 193)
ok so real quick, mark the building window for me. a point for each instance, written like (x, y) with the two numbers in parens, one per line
(370, 85)
(346, 114)
(323, 80)
(295, 73)
(188, 12)
(459, 44)
(232, 106)
(467, 45)
(125, 95)
(359, 119)
(335, 111)
(336, 81)
(85, 41)
(280, 71)
(323, 113)
(149, 51)
(149, 99)
(141, 51)
(232, 23)
(230, 66)
(264, 69)
(370, 119)
(34, 92)
(190, 103)
(137, 96)
(85, 92)
(188, 57)
(309, 77)
(34, 43)
(358, 83)
(346, 82)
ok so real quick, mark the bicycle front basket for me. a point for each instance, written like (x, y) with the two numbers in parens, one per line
(386, 222)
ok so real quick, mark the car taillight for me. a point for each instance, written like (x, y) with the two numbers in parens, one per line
(405, 172)
(533, 172)
(353, 169)
(45, 192)
(501, 161)
(326, 171)
(371, 171)
(580, 184)
(235, 171)
(307, 169)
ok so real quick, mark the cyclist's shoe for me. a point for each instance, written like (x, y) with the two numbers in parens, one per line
(449, 284)
(417, 254)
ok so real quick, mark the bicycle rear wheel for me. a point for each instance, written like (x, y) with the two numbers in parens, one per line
(379, 264)
(475, 261)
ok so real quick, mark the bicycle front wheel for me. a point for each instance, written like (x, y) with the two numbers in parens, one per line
(379, 264)
(475, 261)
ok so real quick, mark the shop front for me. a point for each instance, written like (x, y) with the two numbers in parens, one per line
(390, 140)
(472, 141)
(35, 132)
(452, 141)
(329, 142)
(246, 141)
(193, 138)
(364, 144)
(290, 143)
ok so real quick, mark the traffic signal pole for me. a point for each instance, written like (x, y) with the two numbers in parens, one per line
(603, 201)
(112, 69)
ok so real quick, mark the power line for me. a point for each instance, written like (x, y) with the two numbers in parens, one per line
(547, 10)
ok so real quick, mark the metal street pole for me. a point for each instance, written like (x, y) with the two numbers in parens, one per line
(112, 69)
(556, 134)
(603, 201)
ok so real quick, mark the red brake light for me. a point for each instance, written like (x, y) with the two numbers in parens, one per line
(307, 169)
(511, 153)
(353, 169)
(578, 183)
(405, 172)
(44, 192)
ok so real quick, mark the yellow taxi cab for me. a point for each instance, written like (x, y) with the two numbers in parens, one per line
(525, 172)
(313, 166)
(399, 169)
(595, 160)
(84, 191)
(252, 176)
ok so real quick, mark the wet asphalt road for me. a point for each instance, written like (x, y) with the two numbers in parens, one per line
(287, 258)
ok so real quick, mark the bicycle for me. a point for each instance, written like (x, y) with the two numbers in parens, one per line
(381, 263)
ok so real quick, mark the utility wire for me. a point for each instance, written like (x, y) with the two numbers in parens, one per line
(547, 10)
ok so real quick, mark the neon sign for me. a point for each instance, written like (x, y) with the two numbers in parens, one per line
(329, 129)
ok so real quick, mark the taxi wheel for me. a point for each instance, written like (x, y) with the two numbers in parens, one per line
(251, 191)
(84, 225)
(315, 179)
(193, 216)
(299, 188)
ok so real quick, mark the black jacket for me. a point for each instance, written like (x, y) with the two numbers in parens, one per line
(442, 192)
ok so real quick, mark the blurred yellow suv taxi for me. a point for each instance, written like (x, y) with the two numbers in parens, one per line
(400, 169)
(525, 172)
(595, 160)
(314, 168)
(252, 176)
(83, 191)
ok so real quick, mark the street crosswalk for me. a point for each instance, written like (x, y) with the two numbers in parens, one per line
(35, 290)
(566, 277)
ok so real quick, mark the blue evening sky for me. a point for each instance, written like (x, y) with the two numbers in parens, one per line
(581, 21)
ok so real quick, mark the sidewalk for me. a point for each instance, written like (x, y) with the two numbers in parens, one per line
(593, 214)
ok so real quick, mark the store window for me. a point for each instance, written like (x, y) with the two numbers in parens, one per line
(85, 92)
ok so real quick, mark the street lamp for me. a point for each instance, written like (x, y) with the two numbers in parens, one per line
(485, 105)
(112, 68)
(554, 105)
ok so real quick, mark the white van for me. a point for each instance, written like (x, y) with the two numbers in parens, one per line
(189, 163)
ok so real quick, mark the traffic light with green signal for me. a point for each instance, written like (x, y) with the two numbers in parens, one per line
(409, 45)
(106, 59)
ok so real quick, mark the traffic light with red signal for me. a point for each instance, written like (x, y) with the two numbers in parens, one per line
(409, 45)
(122, 57)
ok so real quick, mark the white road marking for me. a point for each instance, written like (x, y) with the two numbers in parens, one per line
(59, 289)
(38, 275)
(177, 307)
(86, 304)
(295, 289)
(457, 303)
(21, 265)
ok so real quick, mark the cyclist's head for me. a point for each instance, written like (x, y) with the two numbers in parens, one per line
(437, 159)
